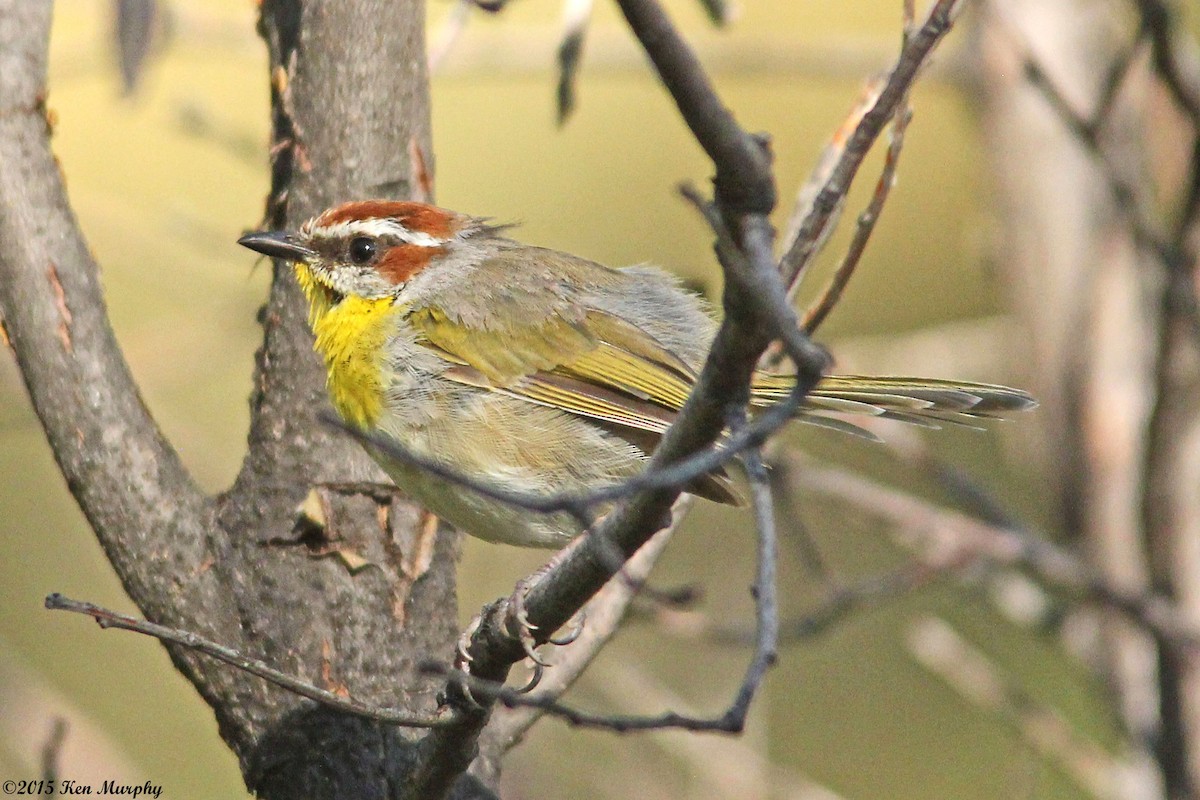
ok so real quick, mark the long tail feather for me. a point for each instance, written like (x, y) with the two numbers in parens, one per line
(919, 401)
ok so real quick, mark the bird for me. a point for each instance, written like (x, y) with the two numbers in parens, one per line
(532, 369)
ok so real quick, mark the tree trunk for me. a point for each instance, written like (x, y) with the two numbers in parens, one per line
(351, 119)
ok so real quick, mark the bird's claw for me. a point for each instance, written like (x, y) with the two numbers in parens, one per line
(538, 671)
(463, 648)
(518, 623)
(576, 624)
(463, 659)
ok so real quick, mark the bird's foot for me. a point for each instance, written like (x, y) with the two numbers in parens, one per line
(517, 624)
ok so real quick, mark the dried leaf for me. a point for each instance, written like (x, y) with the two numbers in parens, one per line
(421, 179)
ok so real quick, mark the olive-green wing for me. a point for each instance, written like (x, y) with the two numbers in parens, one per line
(532, 335)
(544, 346)
(575, 365)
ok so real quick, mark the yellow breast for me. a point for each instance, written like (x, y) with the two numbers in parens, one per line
(352, 337)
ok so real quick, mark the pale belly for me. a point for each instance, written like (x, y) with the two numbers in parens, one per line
(518, 446)
(478, 515)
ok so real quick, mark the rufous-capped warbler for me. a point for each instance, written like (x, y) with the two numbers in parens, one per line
(535, 369)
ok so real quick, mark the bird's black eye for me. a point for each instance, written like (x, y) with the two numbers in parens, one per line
(362, 249)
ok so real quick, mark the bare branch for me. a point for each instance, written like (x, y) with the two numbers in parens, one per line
(577, 14)
(211, 566)
(820, 309)
(720, 12)
(579, 503)
(1175, 60)
(733, 719)
(127, 479)
(52, 750)
(757, 311)
(765, 601)
(947, 536)
(912, 58)
(106, 618)
(866, 594)
(839, 604)
(831, 156)
(1087, 131)
(730, 767)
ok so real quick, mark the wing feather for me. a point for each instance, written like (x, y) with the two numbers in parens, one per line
(544, 340)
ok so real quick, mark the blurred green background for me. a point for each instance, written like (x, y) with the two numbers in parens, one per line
(165, 181)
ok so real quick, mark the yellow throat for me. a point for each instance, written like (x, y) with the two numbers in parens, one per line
(352, 337)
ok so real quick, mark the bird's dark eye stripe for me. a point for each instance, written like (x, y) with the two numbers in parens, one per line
(362, 249)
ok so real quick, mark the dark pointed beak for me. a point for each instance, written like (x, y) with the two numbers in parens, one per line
(277, 244)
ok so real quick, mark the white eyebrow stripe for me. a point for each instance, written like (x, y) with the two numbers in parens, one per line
(376, 228)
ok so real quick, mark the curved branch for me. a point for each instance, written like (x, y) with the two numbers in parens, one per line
(125, 476)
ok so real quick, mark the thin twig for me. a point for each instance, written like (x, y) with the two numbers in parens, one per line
(578, 503)
(483, 689)
(577, 14)
(1180, 73)
(913, 57)
(731, 767)
(765, 584)
(806, 546)
(720, 12)
(1087, 130)
(866, 594)
(1118, 71)
(602, 616)
(838, 605)
(949, 536)
(1176, 60)
(106, 618)
(829, 298)
(822, 172)
(757, 312)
